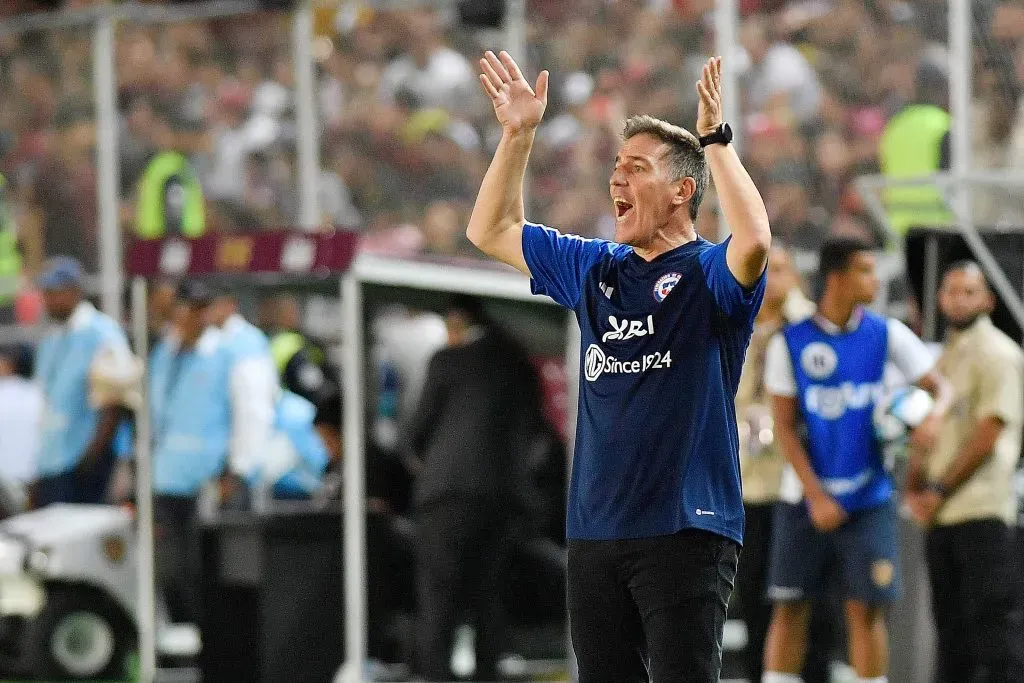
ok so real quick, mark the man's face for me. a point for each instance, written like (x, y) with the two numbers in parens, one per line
(188, 320)
(963, 297)
(859, 282)
(781, 277)
(60, 303)
(643, 194)
(222, 309)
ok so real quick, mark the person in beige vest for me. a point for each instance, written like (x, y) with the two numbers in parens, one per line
(962, 490)
(761, 465)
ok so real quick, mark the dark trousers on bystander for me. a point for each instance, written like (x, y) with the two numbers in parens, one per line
(975, 602)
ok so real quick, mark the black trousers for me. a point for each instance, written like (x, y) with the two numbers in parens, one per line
(975, 602)
(177, 556)
(77, 487)
(652, 608)
(825, 631)
(462, 550)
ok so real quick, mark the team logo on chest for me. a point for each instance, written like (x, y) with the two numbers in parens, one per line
(818, 360)
(665, 284)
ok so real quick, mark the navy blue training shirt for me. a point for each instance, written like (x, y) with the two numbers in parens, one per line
(663, 345)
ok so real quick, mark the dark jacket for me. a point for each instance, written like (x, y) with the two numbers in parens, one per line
(478, 413)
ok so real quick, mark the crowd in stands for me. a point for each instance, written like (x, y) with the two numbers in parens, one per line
(406, 135)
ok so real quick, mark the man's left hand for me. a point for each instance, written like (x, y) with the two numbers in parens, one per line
(924, 506)
(926, 433)
(709, 106)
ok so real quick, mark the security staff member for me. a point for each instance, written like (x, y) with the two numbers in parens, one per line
(963, 491)
(170, 199)
(10, 256)
(192, 405)
(301, 363)
(84, 368)
(916, 144)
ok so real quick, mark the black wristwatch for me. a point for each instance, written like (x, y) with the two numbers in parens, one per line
(721, 136)
(939, 489)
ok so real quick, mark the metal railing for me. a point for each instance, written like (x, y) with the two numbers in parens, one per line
(954, 188)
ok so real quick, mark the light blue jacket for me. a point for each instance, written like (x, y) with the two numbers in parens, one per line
(190, 403)
(294, 418)
(63, 363)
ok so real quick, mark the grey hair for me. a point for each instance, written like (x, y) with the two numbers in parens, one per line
(685, 156)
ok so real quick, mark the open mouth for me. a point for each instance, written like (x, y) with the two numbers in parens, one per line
(622, 208)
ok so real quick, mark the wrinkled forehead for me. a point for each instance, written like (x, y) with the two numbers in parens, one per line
(644, 147)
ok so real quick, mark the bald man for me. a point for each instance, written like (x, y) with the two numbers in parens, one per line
(962, 490)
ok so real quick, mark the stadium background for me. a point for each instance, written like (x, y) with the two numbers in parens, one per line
(318, 117)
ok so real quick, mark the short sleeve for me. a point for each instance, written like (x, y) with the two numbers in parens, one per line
(1001, 387)
(558, 263)
(739, 303)
(909, 354)
(114, 373)
(778, 368)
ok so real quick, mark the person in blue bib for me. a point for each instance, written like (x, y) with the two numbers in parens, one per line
(824, 375)
(78, 365)
(655, 512)
(193, 412)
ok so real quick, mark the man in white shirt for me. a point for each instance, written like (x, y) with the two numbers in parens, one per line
(254, 391)
(21, 412)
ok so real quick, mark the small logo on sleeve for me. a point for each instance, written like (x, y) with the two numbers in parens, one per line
(705, 513)
(665, 284)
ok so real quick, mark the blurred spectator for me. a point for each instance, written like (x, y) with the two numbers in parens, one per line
(403, 125)
(21, 414)
(469, 438)
(916, 144)
(777, 70)
(86, 373)
(962, 490)
(761, 463)
(302, 364)
(434, 73)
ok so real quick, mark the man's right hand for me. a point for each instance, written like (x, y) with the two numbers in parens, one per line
(517, 106)
(826, 514)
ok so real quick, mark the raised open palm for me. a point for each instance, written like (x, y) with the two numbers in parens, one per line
(517, 105)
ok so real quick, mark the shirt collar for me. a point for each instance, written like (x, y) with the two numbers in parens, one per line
(205, 345)
(955, 337)
(208, 340)
(829, 327)
(81, 317)
(234, 323)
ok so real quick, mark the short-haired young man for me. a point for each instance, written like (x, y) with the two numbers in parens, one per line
(824, 375)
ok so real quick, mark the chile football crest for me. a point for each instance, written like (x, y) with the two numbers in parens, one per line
(663, 287)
